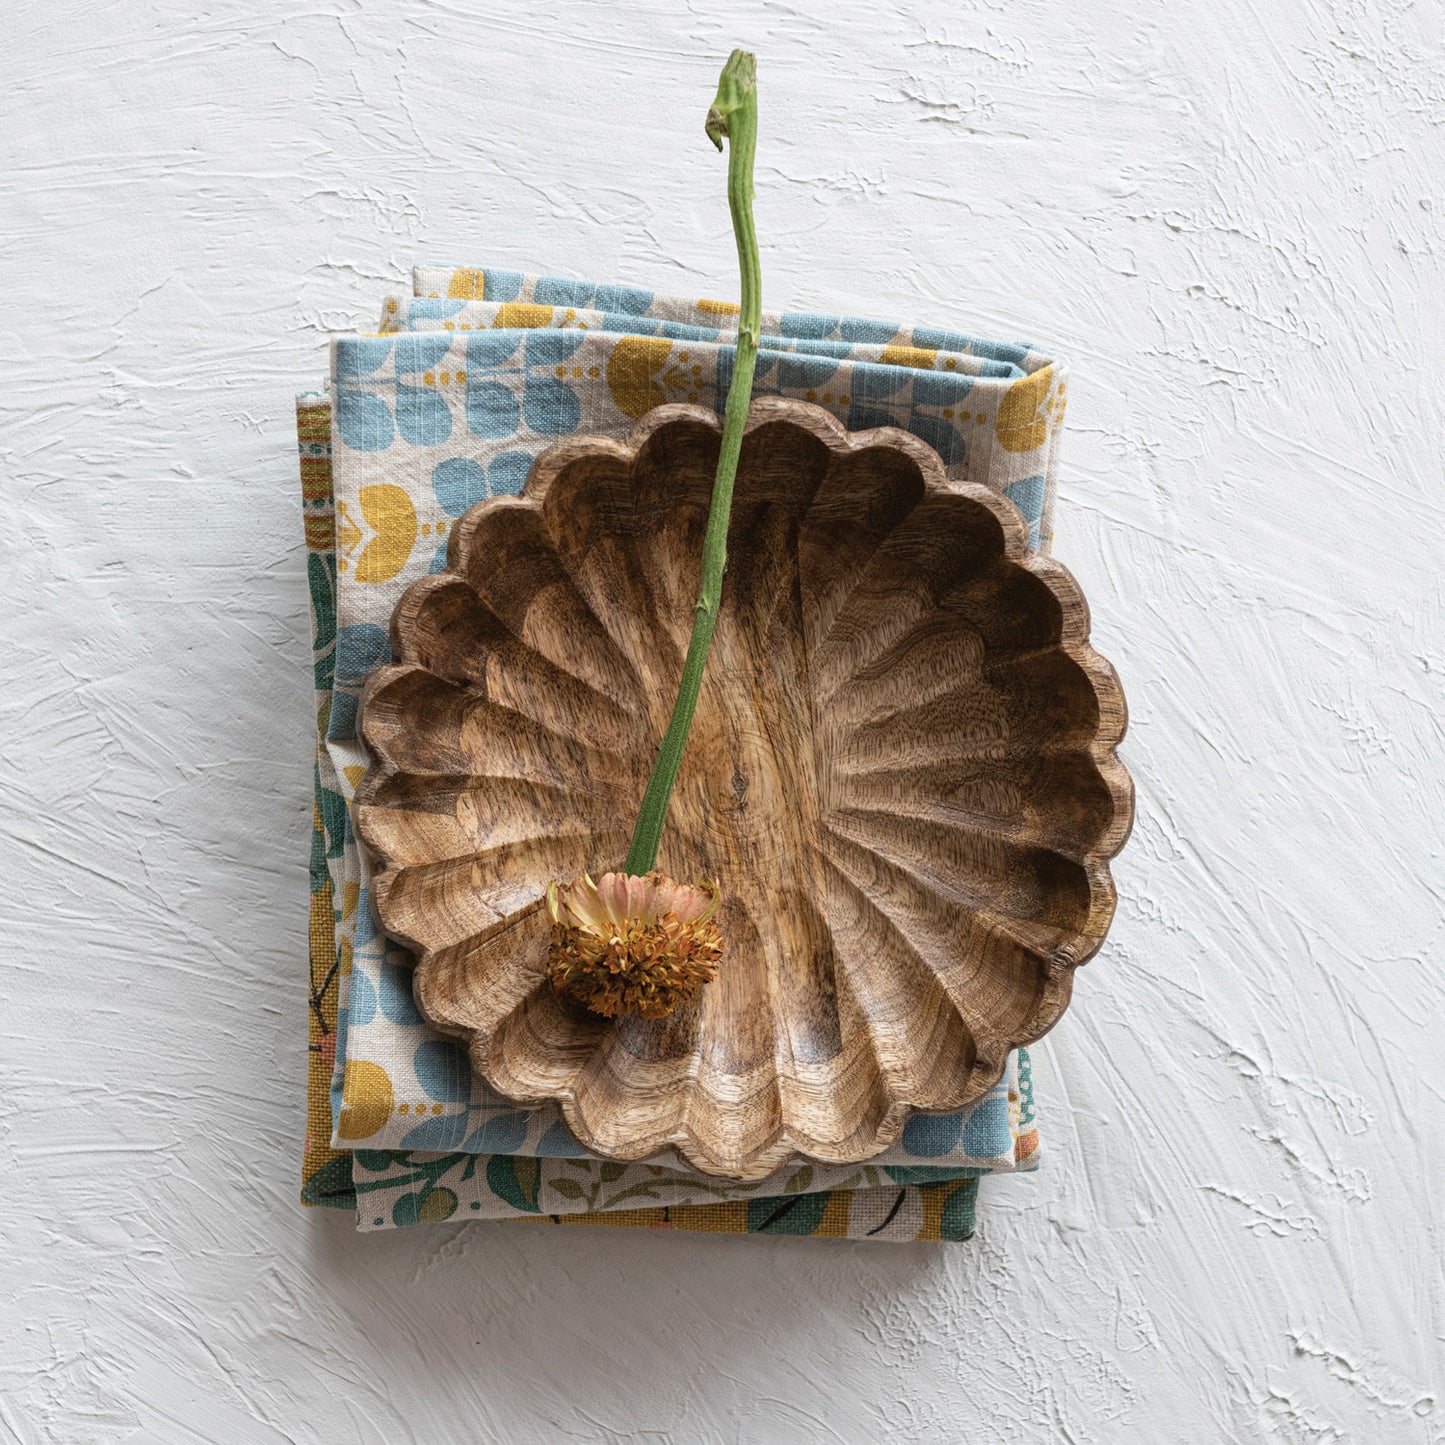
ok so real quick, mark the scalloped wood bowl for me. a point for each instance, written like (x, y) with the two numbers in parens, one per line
(902, 774)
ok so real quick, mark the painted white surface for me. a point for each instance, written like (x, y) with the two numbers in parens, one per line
(1227, 216)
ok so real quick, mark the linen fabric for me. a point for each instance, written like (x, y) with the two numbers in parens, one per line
(390, 1189)
(463, 385)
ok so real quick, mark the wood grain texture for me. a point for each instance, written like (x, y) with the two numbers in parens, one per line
(902, 773)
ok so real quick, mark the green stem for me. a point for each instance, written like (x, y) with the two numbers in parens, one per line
(734, 114)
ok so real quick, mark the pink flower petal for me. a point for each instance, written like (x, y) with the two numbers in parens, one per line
(658, 899)
(584, 906)
(700, 901)
(637, 897)
(612, 892)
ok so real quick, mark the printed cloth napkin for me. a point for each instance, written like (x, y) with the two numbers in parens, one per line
(400, 1188)
(447, 405)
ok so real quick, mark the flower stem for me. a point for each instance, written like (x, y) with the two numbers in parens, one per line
(734, 114)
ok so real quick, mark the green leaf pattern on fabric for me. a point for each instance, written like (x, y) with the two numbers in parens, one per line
(791, 1214)
(514, 1178)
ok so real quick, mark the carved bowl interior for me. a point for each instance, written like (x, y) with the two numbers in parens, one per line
(901, 772)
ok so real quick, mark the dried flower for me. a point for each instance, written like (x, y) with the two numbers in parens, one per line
(633, 945)
(640, 942)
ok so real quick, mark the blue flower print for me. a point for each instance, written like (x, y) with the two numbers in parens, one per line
(363, 419)
(462, 482)
(557, 291)
(982, 1133)
(548, 405)
(1027, 495)
(360, 648)
(444, 1071)
(422, 415)
(913, 399)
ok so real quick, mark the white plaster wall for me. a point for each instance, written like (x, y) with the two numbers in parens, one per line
(1226, 214)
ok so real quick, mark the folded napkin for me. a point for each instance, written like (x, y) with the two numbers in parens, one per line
(449, 404)
(399, 1188)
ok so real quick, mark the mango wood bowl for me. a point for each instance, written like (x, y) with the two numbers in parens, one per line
(902, 774)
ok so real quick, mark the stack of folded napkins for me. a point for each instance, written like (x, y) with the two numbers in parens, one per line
(465, 383)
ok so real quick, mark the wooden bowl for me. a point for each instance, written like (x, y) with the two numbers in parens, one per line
(901, 772)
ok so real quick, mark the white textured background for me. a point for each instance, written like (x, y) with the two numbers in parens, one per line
(1226, 215)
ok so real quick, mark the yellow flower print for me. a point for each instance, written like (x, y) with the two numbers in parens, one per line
(632, 370)
(366, 1100)
(467, 285)
(645, 371)
(918, 357)
(523, 315)
(387, 513)
(1022, 423)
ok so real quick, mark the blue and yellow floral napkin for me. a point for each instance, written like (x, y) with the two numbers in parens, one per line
(464, 384)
